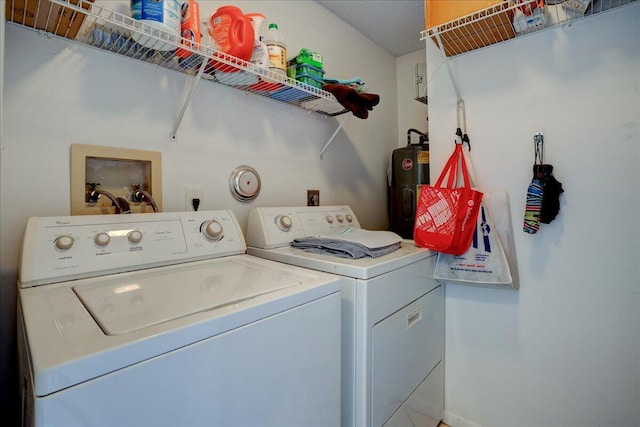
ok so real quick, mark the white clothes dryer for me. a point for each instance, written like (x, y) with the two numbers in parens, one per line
(392, 317)
(163, 320)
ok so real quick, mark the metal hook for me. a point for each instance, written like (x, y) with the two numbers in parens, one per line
(538, 141)
(538, 147)
(465, 138)
(461, 131)
(459, 108)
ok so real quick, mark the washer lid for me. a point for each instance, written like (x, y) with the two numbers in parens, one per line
(128, 304)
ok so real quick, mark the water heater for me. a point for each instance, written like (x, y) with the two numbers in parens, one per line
(409, 168)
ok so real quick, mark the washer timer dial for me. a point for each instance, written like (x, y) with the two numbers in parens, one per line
(212, 230)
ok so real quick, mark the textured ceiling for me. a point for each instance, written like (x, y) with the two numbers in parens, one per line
(393, 24)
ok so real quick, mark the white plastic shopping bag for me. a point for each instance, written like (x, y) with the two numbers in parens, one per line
(491, 260)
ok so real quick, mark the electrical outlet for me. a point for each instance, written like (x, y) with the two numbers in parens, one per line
(313, 197)
(189, 195)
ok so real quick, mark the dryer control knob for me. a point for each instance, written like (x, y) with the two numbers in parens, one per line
(64, 242)
(102, 239)
(340, 218)
(329, 219)
(349, 218)
(134, 236)
(212, 230)
(284, 222)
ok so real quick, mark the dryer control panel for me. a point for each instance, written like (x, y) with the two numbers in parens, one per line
(276, 227)
(62, 248)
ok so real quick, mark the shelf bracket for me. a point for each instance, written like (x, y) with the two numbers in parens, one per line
(187, 100)
(448, 62)
(460, 110)
(333, 136)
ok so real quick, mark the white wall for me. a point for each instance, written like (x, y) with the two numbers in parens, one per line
(562, 351)
(58, 93)
(412, 114)
(565, 349)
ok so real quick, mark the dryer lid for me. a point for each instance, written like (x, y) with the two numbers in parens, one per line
(138, 301)
(361, 268)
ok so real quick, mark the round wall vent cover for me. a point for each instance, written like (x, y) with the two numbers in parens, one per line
(244, 183)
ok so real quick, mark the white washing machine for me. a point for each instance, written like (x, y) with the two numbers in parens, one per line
(163, 320)
(392, 314)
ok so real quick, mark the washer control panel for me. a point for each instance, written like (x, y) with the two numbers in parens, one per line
(62, 248)
(276, 227)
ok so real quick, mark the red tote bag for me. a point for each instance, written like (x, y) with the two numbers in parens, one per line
(446, 216)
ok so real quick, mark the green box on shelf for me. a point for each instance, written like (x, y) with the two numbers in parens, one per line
(310, 80)
(310, 57)
(305, 69)
(291, 68)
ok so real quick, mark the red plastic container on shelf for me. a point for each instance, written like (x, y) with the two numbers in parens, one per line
(190, 27)
(233, 34)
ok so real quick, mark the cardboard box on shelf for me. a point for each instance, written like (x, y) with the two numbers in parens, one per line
(44, 15)
(438, 12)
(468, 25)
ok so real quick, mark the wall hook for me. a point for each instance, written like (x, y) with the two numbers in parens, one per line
(461, 130)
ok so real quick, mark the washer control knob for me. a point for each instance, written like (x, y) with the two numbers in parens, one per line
(349, 218)
(134, 236)
(284, 222)
(102, 239)
(64, 242)
(329, 219)
(340, 218)
(212, 230)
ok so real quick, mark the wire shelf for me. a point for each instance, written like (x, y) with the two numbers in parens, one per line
(511, 19)
(94, 25)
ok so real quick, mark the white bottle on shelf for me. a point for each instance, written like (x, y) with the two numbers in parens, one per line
(277, 49)
(260, 56)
